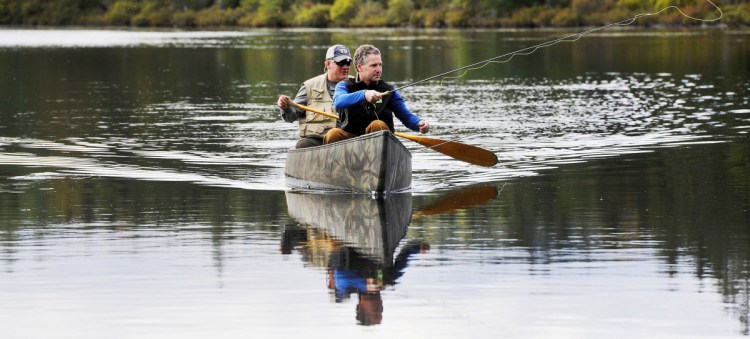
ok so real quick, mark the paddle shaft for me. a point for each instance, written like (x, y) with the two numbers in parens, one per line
(454, 149)
(296, 105)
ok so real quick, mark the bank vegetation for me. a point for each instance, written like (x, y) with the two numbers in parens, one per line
(363, 13)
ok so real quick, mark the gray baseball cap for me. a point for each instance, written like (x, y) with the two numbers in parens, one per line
(338, 53)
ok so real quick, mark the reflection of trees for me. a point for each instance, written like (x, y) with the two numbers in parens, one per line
(703, 214)
(36, 208)
(134, 202)
(690, 205)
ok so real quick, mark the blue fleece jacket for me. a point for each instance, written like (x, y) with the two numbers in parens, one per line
(342, 99)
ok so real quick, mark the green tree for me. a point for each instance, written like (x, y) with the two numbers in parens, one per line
(321, 13)
(62, 12)
(227, 3)
(465, 13)
(369, 14)
(738, 15)
(190, 4)
(585, 7)
(10, 11)
(270, 13)
(660, 4)
(122, 12)
(633, 4)
(399, 12)
(430, 13)
(342, 12)
(316, 16)
(250, 5)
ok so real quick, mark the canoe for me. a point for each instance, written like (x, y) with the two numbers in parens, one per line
(376, 162)
(373, 227)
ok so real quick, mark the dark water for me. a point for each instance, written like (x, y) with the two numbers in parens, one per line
(142, 190)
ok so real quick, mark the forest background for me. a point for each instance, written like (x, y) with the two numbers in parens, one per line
(363, 13)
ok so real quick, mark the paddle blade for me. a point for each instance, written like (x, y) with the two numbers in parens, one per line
(454, 149)
(461, 200)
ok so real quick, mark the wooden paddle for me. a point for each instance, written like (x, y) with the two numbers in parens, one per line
(461, 200)
(296, 105)
(454, 149)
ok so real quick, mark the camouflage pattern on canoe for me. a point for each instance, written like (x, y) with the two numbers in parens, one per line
(375, 162)
(373, 227)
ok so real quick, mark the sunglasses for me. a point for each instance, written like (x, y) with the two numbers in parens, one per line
(343, 63)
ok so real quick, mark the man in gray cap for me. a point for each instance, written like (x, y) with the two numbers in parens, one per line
(317, 93)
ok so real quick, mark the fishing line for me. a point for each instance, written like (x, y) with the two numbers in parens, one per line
(569, 38)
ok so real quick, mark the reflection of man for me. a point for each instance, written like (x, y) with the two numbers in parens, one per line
(370, 309)
(352, 272)
(348, 270)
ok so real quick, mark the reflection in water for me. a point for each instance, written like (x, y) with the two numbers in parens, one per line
(115, 38)
(462, 199)
(351, 272)
(624, 178)
(374, 226)
(161, 117)
(625, 227)
(354, 237)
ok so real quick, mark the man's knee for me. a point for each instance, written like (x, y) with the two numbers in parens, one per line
(309, 142)
(335, 135)
(377, 125)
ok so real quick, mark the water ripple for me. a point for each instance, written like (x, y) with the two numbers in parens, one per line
(533, 125)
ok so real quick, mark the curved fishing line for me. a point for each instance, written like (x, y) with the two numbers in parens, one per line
(569, 38)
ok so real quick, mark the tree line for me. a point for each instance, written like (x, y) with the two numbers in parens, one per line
(362, 13)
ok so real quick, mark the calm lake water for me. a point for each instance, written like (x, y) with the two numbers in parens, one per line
(142, 192)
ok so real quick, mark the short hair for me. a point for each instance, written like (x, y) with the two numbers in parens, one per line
(363, 51)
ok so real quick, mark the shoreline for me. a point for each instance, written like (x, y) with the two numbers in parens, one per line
(719, 26)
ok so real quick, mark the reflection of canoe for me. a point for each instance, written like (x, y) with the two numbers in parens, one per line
(375, 162)
(373, 227)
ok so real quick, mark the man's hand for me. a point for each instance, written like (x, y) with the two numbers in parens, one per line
(283, 102)
(372, 96)
(424, 126)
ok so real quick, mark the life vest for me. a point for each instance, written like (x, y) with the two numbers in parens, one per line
(313, 124)
(355, 119)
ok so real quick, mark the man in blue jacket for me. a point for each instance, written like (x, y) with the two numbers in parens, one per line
(366, 103)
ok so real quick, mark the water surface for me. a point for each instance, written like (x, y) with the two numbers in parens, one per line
(142, 190)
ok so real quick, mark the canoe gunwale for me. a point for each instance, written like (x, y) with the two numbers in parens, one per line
(347, 141)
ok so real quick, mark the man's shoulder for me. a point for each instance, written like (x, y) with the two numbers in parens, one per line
(348, 82)
(316, 79)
